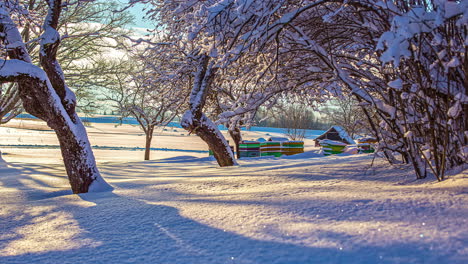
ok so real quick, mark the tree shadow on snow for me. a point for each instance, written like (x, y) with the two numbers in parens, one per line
(119, 229)
(124, 230)
(19, 176)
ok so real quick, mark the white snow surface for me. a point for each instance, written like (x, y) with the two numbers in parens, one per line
(183, 208)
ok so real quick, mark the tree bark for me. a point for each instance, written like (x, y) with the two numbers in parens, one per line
(195, 121)
(149, 138)
(208, 132)
(236, 137)
(79, 161)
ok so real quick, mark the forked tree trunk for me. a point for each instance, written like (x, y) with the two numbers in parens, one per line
(195, 121)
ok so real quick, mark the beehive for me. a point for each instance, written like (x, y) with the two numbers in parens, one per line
(330, 147)
(249, 149)
(366, 145)
(292, 147)
(270, 148)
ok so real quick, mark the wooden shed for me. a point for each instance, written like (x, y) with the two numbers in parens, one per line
(336, 133)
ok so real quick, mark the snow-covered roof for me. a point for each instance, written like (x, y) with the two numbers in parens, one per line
(281, 139)
(341, 133)
(331, 142)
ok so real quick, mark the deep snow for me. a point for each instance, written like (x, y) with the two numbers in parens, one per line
(182, 208)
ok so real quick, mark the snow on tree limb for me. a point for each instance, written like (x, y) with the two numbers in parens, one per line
(11, 70)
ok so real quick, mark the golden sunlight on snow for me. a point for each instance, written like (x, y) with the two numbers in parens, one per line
(336, 203)
(48, 230)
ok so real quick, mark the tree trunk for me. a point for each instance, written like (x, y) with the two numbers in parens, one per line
(149, 138)
(148, 147)
(194, 120)
(79, 163)
(236, 137)
(209, 132)
(77, 155)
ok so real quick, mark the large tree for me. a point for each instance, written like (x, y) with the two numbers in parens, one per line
(405, 59)
(44, 91)
(201, 69)
(229, 92)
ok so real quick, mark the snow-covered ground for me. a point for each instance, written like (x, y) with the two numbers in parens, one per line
(180, 207)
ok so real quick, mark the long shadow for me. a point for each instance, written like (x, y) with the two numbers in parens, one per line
(124, 230)
(14, 176)
(118, 229)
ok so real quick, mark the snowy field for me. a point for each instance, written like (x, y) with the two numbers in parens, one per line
(180, 207)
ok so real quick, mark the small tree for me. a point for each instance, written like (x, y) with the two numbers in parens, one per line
(296, 119)
(93, 31)
(146, 95)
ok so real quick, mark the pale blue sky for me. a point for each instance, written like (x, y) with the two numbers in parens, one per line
(138, 12)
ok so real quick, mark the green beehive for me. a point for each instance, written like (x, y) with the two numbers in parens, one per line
(270, 148)
(249, 149)
(366, 144)
(331, 147)
(365, 148)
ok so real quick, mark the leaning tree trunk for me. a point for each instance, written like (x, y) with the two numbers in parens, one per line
(46, 96)
(79, 162)
(208, 132)
(195, 121)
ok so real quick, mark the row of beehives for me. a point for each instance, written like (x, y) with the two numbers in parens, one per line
(270, 148)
